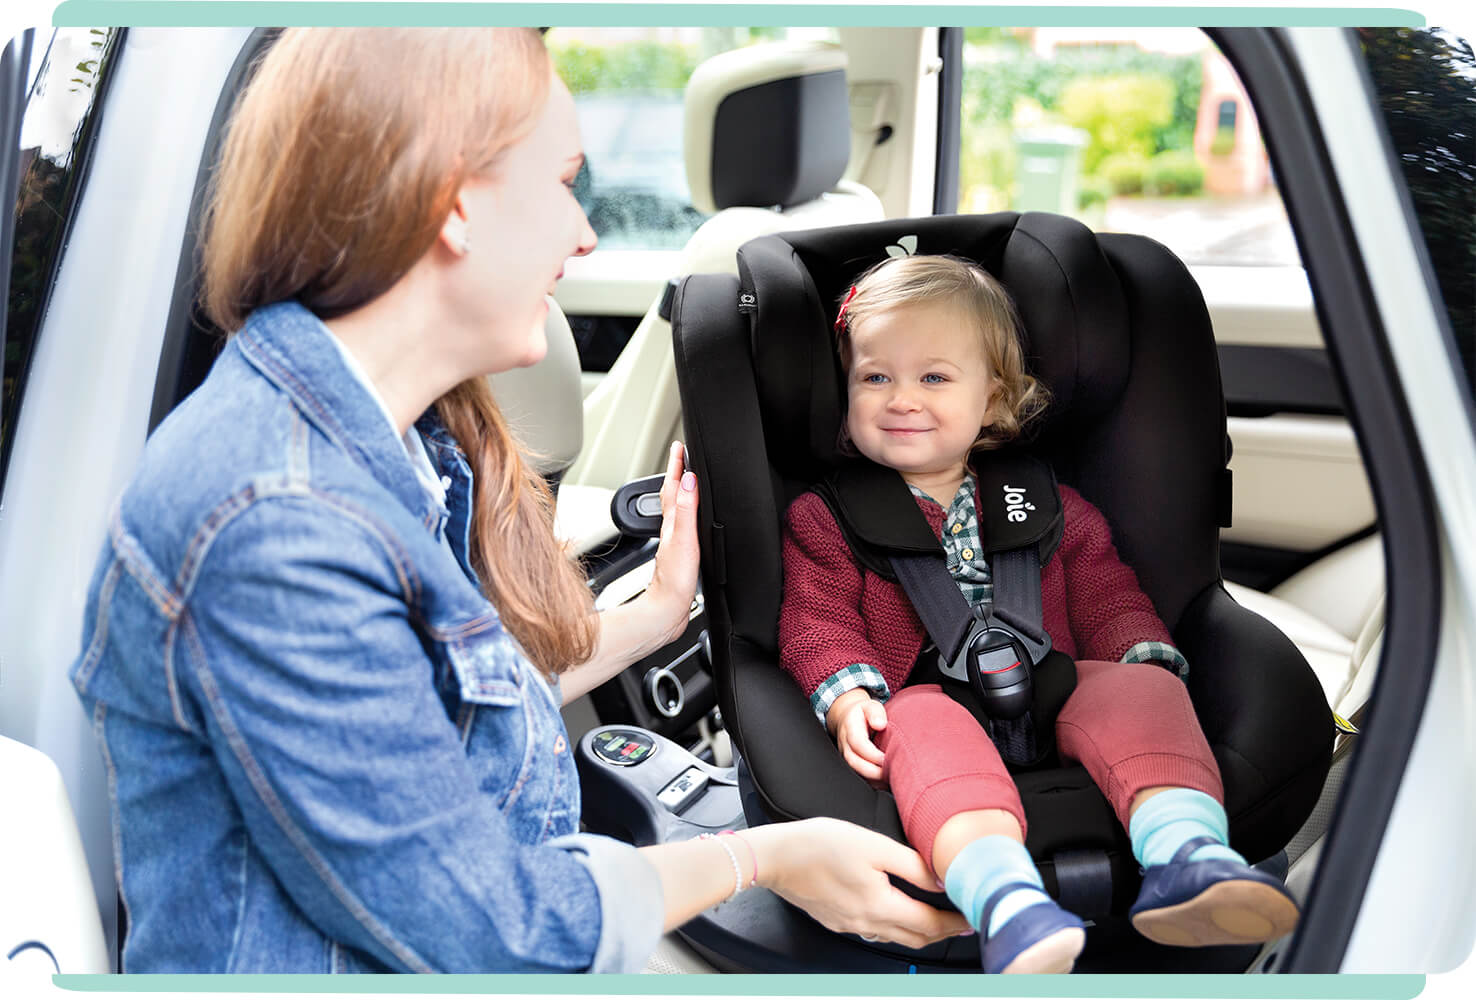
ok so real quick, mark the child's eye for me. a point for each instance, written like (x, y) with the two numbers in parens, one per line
(875, 378)
(933, 378)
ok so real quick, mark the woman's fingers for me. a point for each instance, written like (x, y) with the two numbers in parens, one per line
(904, 862)
(838, 873)
(674, 582)
(910, 921)
(675, 465)
(913, 923)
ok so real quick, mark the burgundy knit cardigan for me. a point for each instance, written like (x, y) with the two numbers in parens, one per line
(836, 613)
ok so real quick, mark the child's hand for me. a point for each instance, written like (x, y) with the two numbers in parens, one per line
(853, 718)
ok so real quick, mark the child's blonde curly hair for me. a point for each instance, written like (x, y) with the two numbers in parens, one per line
(948, 280)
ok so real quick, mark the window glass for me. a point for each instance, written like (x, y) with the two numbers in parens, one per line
(1141, 130)
(1426, 85)
(628, 85)
(56, 134)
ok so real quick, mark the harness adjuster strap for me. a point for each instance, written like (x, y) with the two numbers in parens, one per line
(1084, 882)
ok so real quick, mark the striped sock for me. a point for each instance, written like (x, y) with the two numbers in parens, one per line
(984, 867)
(1166, 821)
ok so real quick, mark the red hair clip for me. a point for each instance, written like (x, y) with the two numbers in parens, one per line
(840, 317)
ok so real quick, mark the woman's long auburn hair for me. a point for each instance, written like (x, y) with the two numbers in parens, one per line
(344, 156)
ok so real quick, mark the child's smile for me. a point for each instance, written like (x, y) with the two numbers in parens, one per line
(919, 391)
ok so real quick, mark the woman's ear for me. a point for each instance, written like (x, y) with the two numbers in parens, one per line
(456, 230)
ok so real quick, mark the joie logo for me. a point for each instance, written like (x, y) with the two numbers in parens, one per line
(904, 247)
(1015, 505)
(747, 302)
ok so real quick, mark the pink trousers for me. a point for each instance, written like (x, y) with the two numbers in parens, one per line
(1131, 725)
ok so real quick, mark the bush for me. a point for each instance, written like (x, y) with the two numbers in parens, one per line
(1173, 172)
(1093, 191)
(1122, 114)
(1123, 172)
(998, 75)
(987, 168)
(630, 66)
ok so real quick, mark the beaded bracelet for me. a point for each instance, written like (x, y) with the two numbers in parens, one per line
(737, 868)
(751, 853)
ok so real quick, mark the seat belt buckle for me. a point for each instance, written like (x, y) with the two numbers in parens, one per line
(995, 663)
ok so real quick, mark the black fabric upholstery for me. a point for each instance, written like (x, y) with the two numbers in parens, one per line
(1119, 332)
(782, 142)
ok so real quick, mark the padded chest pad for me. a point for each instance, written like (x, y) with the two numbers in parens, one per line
(1018, 500)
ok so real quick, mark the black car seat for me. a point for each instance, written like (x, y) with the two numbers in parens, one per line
(1119, 332)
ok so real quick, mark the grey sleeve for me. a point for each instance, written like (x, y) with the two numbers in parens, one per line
(632, 907)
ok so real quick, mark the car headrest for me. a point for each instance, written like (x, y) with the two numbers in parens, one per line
(767, 125)
(1071, 304)
(544, 403)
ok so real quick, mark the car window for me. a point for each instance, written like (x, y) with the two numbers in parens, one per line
(628, 88)
(57, 129)
(1130, 130)
(1425, 80)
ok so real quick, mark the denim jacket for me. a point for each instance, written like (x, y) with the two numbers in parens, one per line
(324, 751)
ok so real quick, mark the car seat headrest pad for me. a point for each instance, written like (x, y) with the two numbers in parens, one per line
(1071, 306)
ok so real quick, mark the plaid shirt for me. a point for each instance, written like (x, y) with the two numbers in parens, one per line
(970, 570)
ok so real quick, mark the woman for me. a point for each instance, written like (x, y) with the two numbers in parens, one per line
(330, 630)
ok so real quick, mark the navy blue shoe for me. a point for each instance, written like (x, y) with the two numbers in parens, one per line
(1216, 901)
(1040, 938)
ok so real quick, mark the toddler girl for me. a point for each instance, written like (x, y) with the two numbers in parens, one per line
(931, 349)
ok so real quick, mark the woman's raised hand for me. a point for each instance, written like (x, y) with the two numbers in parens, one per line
(837, 872)
(674, 582)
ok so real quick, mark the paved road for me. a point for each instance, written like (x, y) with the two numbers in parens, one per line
(1250, 231)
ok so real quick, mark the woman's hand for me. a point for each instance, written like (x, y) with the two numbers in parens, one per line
(674, 582)
(640, 627)
(837, 873)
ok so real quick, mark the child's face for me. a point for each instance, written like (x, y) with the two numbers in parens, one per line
(919, 389)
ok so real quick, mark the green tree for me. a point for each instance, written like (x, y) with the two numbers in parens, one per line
(1122, 114)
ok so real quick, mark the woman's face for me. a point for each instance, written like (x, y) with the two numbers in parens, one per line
(523, 223)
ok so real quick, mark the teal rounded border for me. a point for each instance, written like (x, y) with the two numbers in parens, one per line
(217, 13)
(1108, 987)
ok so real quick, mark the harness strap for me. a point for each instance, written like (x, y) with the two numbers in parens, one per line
(939, 604)
(1015, 574)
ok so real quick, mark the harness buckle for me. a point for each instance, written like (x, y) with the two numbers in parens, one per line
(996, 664)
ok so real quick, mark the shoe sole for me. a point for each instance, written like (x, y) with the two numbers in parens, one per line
(1236, 911)
(1055, 954)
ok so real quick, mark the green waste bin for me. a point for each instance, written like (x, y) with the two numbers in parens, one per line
(1048, 168)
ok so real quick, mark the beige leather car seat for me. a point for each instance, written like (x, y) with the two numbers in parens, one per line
(543, 404)
(49, 920)
(1330, 609)
(767, 139)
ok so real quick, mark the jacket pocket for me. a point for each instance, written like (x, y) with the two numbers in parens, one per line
(486, 669)
(495, 720)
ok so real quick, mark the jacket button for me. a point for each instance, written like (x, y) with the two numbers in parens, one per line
(967, 553)
(957, 527)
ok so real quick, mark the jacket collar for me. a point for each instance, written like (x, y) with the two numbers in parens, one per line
(292, 348)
